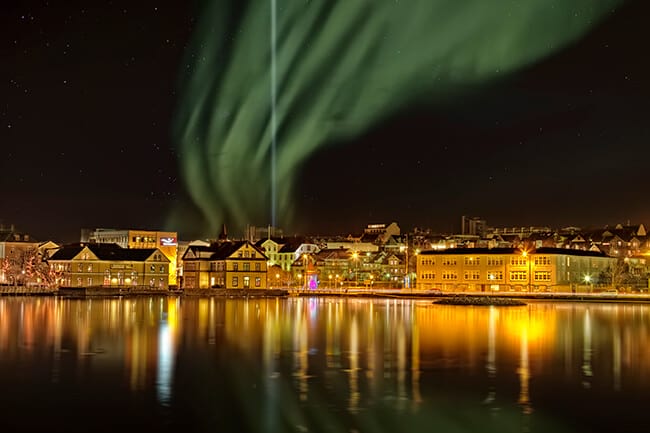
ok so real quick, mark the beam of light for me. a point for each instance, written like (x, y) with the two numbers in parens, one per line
(274, 102)
(340, 68)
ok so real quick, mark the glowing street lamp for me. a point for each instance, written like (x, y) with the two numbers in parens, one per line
(589, 283)
(355, 257)
(525, 255)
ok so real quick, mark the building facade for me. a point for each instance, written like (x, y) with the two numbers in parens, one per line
(511, 269)
(229, 265)
(109, 265)
(166, 242)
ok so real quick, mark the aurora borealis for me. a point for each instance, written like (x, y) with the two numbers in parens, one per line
(157, 115)
(342, 67)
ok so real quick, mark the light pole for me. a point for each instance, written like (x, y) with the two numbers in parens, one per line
(588, 281)
(525, 255)
(355, 257)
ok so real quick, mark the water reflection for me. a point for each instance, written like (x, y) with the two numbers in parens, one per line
(333, 364)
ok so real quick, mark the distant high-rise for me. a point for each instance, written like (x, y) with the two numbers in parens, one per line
(473, 226)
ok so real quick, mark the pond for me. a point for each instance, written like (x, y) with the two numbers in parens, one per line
(321, 365)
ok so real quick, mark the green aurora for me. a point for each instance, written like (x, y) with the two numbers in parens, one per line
(342, 67)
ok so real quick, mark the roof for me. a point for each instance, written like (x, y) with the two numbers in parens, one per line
(542, 250)
(14, 236)
(221, 251)
(108, 252)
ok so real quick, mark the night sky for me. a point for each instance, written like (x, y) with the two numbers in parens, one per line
(89, 91)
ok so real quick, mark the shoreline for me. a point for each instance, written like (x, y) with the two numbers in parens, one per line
(104, 292)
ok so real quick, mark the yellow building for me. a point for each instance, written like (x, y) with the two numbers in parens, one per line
(230, 265)
(167, 242)
(109, 265)
(511, 269)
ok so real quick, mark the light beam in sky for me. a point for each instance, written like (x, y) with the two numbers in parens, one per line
(340, 68)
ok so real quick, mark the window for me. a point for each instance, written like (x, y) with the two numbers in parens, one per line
(495, 261)
(247, 266)
(495, 275)
(247, 282)
(162, 268)
(80, 267)
(89, 268)
(448, 275)
(518, 261)
(257, 267)
(79, 282)
(449, 261)
(542, 260)
(152, 268)
(107, 277)
(472, 275)
(90, 281)
(258, 281)
(472, 261)
(518, 276)
(235, 281)
(213, 266)
(542, 275)
(235, 266)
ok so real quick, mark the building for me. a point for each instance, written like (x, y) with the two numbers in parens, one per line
(511, 269)
(229, 265)
(17, 252)
(109, 265)
(473, 226)
(167, 242)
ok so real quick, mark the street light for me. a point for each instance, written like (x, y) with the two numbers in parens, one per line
(355, 257)
(330, 278)
(277, 281)
(525, 255)
(588, 281)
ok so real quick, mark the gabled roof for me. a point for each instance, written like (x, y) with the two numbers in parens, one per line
(14, 236)
(107, 252)
(219, 251)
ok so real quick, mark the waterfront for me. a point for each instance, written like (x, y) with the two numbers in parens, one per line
(321, 364)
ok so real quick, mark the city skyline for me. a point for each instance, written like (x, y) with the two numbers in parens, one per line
(92, 93)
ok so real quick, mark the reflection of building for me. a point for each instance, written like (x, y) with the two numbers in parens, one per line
(94, 265)
(231, 265)
(166, 242)
(482, 269)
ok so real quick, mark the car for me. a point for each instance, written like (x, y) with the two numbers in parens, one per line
(610, 292)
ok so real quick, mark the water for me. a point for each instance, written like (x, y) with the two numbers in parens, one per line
(321, 365)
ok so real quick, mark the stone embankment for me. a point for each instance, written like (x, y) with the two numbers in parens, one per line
(480, 301)
(237, 293)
